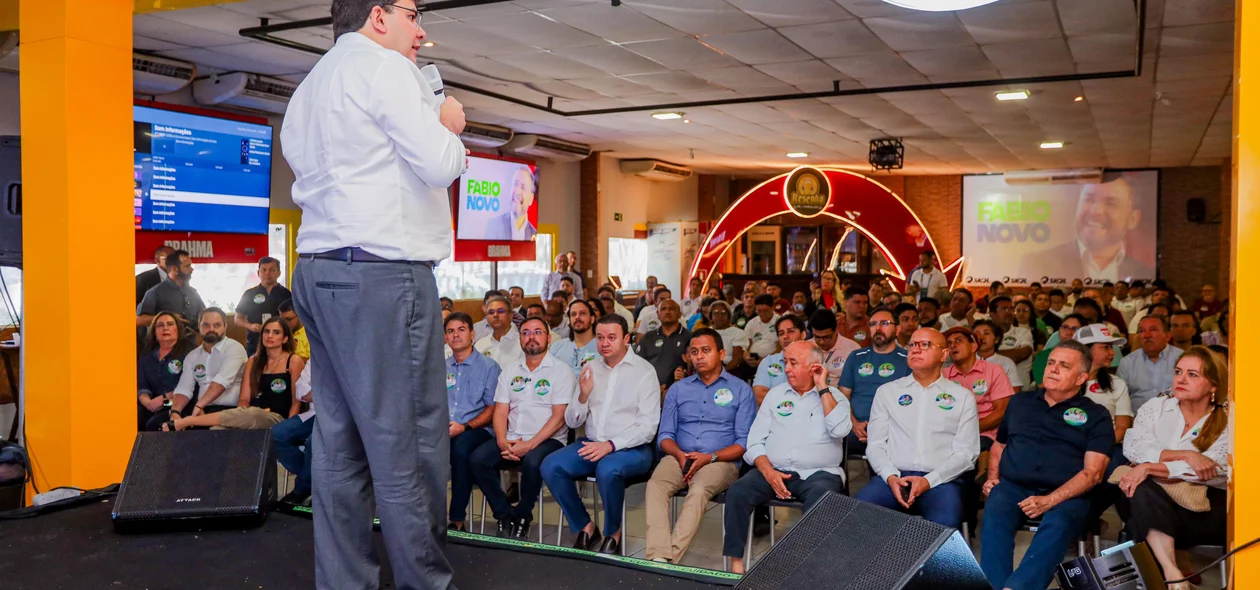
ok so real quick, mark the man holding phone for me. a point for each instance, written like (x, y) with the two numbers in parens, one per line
(796, 442)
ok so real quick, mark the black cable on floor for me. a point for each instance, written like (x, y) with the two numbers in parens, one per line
(83, 498)
(1214, 563)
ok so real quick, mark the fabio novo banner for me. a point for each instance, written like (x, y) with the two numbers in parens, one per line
(1053, 234)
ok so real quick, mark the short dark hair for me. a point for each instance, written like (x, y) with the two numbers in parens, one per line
(490, 295)
(597, 305)
(996, 300)
(1087, 356)
(970, 296)
(1108, 285)
(709, 332)
(1035, 284)
(764, 299)
(933, 301)
(457, 316)
(446, 300)
(852, 292)
(535, 319)
(285, 306)
(997, 331)
(903, 308)
(611, 291)
(561, 293)
(773, 284)
(1058, 292)
(210, 310)
(350, 15)
(268, 260)
(614, 318)
(796, 320)
(1137, 284)
(517, 287)
(823, 319)
(177, 256)
(566, 278)
(928, 252)
(1090, 303)
(537, 306)
(1078, 317)
(1163, 320)
(1125, 283)
(996, 284)
(663, 289)
(584, 303)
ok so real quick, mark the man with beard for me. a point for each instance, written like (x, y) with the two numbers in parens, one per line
(853, 325)
(929, 311)
(174, 295)
(907, 315)
(866, 370)
(579, 348)
(529, 403)
(215, 368)
(1105, 214)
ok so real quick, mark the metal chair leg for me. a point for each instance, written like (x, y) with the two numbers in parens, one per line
(542, 516)
(748, 548)
(1097, 545)
(483, 514)
(726, 561)
(772, 527)
(623, 526)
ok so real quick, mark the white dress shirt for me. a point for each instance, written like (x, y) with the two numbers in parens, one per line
(625, 314)
(371, 160)
(302, 388)
(947, 321)
(481, 329)
(224, 364)
(530, 396)
(930, 283)
(1008, 367)
(505, 351)
(1158, 428)
(934, 429)
(793, 432)
(624, 406)
(762, 338)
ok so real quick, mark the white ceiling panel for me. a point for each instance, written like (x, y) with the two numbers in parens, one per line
(551, 65)
(685, 54)
(1006, 22)
(1045, 57)
(156, 27)
(535, 30)
(1087, 17)
(921, 30)
(612, 86)
(883, 69)
(810, 76)
(671, 82)
(146, 44)
(738, 78)
(955, 64)
(697, 17)
(616, 24)
(836, 39)
(1195, 66)
(223, 62)
(613, 59)
(1197, 39)
(473, 41)
(777, 13)
(763, 46)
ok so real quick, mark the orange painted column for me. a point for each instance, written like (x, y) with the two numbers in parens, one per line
(78, 236)
(1244, 515)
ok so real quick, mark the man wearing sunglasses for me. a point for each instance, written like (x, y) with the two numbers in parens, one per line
(373, 152)
(866, 369)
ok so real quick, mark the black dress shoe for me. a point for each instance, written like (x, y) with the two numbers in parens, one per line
(761, 521)
(505, 527)
(610, 546)
(520, 532)
(296, 498)
(587, 542)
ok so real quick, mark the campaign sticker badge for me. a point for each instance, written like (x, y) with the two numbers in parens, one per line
(660, 342)
(774, 370)
(542, 387)
(756, 336)
(980, 387)
(175, 366)
(1075, 416)
(586, 358)
(866, 370)
(741, 322)
(278, 386)
(450, 380)
(723, 397)
(199, 371)
(259, 298)
(785, 408)
(1094, 387)
(518, 384)
(859, 336)
(886, 370)
(945, 401)
(905, 400)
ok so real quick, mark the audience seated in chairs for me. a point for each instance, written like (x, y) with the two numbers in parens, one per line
(1052, 448)
(835, 347)
(214, 369)
(301, 345)
(922, 437)
(529, 424)
(703, 436)
(292, 435)
(265, 396)
(796, 443)
(619, 402)
(159, 367)
(471, 381)
(665, 346)
(1180, 447)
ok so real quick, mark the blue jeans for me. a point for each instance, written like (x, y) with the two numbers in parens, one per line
(562, 468)
(462, 448)
(289, 436)
(1003, 516)
(753, 490)
(942, 504)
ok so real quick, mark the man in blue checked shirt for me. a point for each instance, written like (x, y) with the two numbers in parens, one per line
(703, 434)
(471, 379)
(790, 328)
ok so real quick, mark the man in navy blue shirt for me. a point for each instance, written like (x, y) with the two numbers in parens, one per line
(1052, 448)
(868, 368)
(471, 379)
(703, 435)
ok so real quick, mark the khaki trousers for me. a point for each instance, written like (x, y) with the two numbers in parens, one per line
(666, 480)
(250, 418)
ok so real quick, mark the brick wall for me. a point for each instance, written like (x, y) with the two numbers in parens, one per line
(588, 197)
(937, 200)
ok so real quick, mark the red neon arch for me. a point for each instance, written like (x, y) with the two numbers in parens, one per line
(868, 206)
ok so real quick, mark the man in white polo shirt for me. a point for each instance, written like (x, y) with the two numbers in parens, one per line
(216, 368)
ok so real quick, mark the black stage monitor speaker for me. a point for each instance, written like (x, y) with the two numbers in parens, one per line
(1196, 210)
(197, 479)
(842, 543)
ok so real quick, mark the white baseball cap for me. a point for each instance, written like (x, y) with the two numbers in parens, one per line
(1096, 333)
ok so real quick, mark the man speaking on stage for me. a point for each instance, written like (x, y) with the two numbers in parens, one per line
(373, 154)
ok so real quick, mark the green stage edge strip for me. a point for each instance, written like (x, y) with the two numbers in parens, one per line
(694, 573)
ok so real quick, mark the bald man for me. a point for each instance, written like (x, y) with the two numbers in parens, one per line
(1105, 214)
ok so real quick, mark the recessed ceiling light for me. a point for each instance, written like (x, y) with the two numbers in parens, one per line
(686, 120)
(1013, 95)
(1078, 99)
(1051, 145)
(798, 154)
(428, 44)
(667, 116)
(939, 5)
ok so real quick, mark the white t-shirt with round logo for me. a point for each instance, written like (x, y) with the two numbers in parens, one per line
(733, 336)
(1116, 401)
(1019, 337)
(762, 339)
(531, 394)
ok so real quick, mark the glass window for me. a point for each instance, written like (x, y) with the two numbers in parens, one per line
(220, 284)
(278, 248)
(627, 259)
(528, 274)
(10, 296)
(471, 280)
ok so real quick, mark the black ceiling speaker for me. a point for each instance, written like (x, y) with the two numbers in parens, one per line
(887, 153)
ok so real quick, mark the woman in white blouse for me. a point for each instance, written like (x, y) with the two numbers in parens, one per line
(733, 338)
(1180, 438)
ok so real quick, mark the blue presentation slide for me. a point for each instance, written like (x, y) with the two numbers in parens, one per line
(195, 173)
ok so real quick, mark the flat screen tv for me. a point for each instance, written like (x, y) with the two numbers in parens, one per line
(497, 200)
(198, 173)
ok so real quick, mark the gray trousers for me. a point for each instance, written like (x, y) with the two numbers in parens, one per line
(382, 434)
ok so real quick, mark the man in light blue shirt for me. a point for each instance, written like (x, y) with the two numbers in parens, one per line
(1149, 371)
(790, 328)
(796, 442)
(580, 347)
(471, 379)
(703, 434)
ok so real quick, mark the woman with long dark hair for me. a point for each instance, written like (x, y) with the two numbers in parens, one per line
(267, 392)
(158, 368)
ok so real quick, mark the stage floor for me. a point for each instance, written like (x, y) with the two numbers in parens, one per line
(78, 548)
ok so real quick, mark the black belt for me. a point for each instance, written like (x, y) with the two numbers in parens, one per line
(349, 255)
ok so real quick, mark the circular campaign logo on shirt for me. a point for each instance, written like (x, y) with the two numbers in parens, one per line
(905, 400)
(653, 324)
(278, 385)
(886, 370)
(1094, 387)
(450, 380)
(756, 336)
(518, 384)
(741, 321)
(660, 342)
(723, 397)
(774, 370)
(980, 387)
(866, 370)
(199, 371)
(542, 387)
(174, 366)
(945, 401)
(859, 336)
(586, 358)
(1009, 340)
(785, 408)
(1075, 416)
(259, 298)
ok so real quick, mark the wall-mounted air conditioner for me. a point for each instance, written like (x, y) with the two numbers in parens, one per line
(483, 135)
(248, 91)
(656, 170)
(541, 146)
(160, 75)
(1072, 176)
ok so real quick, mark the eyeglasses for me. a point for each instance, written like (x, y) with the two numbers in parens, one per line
(497, 312)
(882, 324)
(921, 345)
(411, 10)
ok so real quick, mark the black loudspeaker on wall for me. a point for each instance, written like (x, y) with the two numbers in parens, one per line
(10, 201)
(842, 543)
(197, 479)
(1196, 210)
